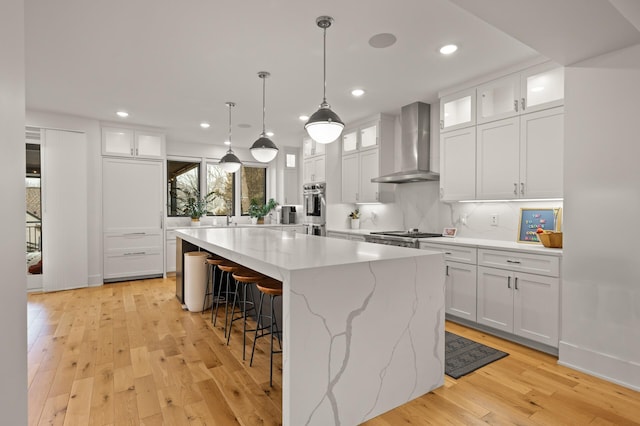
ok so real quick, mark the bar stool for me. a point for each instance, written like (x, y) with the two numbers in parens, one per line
(209, 290)
(229, 268)
(273, 288)
(247, 277)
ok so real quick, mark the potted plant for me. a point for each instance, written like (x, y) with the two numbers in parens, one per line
(192, 204)
(355, 219)
(258, 211)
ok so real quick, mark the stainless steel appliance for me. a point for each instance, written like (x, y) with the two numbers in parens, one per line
(315, 229)
(409, 238)
(288, 214)
(315, 205)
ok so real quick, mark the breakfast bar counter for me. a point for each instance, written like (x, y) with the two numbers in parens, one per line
(363, 323)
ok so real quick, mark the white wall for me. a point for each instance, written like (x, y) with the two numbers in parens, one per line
(13, 303)
(94, 175)
(601, 278)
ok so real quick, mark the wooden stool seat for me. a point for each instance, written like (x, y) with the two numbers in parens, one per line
(246, 275)
(229, 267)
(214, 261)
(271, 287)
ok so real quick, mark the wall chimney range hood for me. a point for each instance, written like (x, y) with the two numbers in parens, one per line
(414, 147)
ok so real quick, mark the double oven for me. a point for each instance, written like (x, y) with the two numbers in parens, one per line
(315, 209)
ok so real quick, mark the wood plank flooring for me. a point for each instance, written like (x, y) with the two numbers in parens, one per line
(127, 354)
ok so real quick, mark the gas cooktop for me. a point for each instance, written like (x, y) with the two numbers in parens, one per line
(412, 233)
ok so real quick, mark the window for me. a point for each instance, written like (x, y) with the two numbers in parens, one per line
(253, 186)
(290, 162)
(183, 177)
(223, 184)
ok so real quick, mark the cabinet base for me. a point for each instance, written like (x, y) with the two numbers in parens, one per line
(507, 336)
(140, 277)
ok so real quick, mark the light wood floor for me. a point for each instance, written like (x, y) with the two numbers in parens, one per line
(127, 354)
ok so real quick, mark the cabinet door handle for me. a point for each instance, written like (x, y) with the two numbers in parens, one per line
(517, 262)
(508, 282)
(136, 151)
(135, 233)
(523, 103)
(377, 196)
(516, 282)
(447, 271)
(131, 151)
(447, 252)
(441, 192)
(521, 188)
(441, 124)
(515, 188)
(515, 105)
(135, 253)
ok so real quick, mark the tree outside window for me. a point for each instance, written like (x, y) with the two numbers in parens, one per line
(223, 184)
(183, 177)
(253, 186)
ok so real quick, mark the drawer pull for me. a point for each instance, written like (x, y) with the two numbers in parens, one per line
(447, 271)
(135, 233)
(447, 252)
(137, 253)
(517, 262)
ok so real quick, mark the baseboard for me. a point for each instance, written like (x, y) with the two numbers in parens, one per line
(95, 280)
(621, 372)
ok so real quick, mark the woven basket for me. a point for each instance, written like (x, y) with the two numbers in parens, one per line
(551, 239)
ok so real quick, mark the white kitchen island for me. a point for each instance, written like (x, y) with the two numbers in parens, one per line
(363, 323)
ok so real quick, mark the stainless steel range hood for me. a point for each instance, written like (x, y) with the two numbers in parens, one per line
(414, 147)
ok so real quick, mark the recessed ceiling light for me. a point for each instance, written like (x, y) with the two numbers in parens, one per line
(303, 117)
(382, 40)
(205, 125)
(448, 49)
(122, 114)
(227, 142)
(269, 134)
(357, 92)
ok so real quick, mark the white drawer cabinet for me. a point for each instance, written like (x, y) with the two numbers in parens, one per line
(131, 240)
(170, 253)
(132, 263)
(520, 262)
(460, 279)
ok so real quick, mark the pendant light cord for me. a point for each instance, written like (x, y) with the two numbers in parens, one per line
(264, 108)
(324, 60)
(230, 104)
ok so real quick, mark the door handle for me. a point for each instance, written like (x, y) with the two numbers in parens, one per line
(516, 282)
(523, 103)
(515, 188)
(508, 282)
(521, 188)
(447, 271)
(515, 105)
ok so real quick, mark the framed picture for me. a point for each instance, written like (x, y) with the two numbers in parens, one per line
(548, 219)
(449, 232)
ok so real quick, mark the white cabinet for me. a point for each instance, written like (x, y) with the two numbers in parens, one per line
(518, 302)
(288, 185)
(458, 165)
(458, 110)
(132, 143)
(531, 90)
(170, 252)
(314, 169)
(312, 148)
(361, 147)
(521, 157)
(132, 192)
(460, 279)
(345, 236)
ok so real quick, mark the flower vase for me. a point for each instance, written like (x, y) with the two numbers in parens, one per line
(355, 223)
(254, 220)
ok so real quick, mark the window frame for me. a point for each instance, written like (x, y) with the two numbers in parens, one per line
(266, 182)
(183, 159)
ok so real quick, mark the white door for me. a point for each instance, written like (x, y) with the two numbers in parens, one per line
(498, 173)
(319, 168)
(460, 290)
(499, 99)
(458, 165)
(495, 298)
(536, 308)
(542, 87)
(541, 158)
(369, 169)
(64, 205)
(350, 178)
(149, 144)
(458, 110)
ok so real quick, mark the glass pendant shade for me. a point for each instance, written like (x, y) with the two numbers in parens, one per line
(324, 126)
(230, 163)
(263, 149)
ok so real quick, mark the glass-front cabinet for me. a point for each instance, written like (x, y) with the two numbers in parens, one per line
(458, 110)
(542, 87)
(498, 99)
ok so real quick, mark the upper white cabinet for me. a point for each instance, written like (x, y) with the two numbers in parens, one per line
(534, 89)
(315, 169)
(132, 143)
(288, 185)
(458, 165)
(521, 157)
(361, 158)
(311, 148)
(458, 110)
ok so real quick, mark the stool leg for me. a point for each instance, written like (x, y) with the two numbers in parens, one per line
(245, 313)
(214, 317)
(271, 352)
(233, 311)
(206, 289)
(258, 321)
(215, 299)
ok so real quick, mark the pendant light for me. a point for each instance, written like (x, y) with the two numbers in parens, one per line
(263, 149)
(230, 163)
(324, 126)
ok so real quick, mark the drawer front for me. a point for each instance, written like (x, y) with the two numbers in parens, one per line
(132, 264)
(454, 253)
(132, 240)
(171, 235)
(525, 262)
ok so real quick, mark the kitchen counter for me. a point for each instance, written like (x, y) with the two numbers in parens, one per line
(236, 225)
(364, 323)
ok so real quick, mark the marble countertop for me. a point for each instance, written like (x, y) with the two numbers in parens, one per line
(288, 250)
(236, 225)
(472, 242)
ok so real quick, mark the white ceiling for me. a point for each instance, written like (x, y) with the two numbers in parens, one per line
(173, 64)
